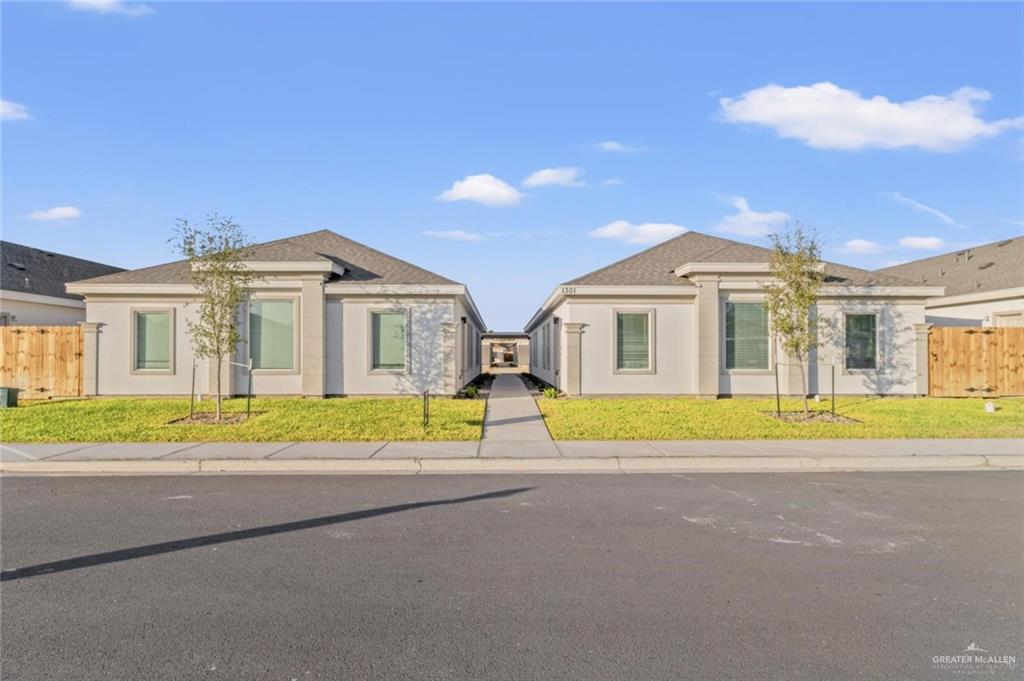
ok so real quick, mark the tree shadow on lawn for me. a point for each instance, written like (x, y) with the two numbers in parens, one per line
(224, 537)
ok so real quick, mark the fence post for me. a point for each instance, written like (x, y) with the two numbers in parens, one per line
(833, 387)
(192, 395)
(921, 333)
(426, 409)
(248, 394)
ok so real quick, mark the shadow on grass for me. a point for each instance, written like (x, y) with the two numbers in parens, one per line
(120, 555)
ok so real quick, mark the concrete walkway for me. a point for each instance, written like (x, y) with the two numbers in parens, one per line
(513, 426)
(524, 456)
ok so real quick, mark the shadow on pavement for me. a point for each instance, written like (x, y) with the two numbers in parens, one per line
(223, 537)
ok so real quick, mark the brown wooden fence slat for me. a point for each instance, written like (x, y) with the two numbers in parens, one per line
(42, 361)
(975, 361)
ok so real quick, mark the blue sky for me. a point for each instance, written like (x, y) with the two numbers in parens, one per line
(893, 130)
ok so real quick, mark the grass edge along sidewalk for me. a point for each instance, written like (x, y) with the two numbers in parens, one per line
(688, 418)
(353, 419)
(400, 419)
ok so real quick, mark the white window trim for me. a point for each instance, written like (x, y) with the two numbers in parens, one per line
(133, 313)
(725, 371)
(878, 343)
(296, 335)
(652, 345)
(370, 370)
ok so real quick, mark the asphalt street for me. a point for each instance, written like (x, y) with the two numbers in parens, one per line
(738, 576)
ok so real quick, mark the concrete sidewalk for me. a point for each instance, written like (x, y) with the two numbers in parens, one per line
(521, 456)
(513, 425)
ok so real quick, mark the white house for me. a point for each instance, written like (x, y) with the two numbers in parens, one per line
(984, 284)
(329, 316)
(686, 317)
(32, 286)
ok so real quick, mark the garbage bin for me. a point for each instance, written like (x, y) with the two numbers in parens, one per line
(8, 397)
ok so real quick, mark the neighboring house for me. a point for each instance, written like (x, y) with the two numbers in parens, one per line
(984, 284)
(506, 352)
(329, 316)
(32, 286)
(686, 317)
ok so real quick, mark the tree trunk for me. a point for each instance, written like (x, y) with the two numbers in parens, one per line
(218, 387)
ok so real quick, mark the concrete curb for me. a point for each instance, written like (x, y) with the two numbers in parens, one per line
(413, 466)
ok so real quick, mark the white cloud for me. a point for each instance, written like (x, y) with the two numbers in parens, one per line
(826, 116)
(563, 177)
(922, 243)
(613, 147)
(484, 188)
(917, 205)
(861, 247)
(55, 213)
(748, 222)
(453, 235)
(611, 182)
(13, 111)
(646, 233)
(111, 7)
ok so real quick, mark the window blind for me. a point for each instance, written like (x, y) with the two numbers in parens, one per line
(272, 334)
(746, 336)
(152, 340)
(389, 340)
(861, 350)
(632, 340)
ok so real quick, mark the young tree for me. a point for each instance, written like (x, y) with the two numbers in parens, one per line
(216, 252)
(791, 295)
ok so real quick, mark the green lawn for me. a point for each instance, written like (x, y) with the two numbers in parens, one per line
(687, 418)
(280, 420)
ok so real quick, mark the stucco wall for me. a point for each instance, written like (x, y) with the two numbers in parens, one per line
(973, 314)
(549, 370)
(469, 357)
(425, 351)
(41, 314)
(114, 350)
(346, 344)
(673, 352)
(897, 360)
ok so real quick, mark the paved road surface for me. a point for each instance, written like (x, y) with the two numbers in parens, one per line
(803, 576)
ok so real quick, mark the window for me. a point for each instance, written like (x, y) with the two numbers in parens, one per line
(272, 334)
(632, 341)
(861, 341)
(746, 336)
(388, 340)
(153, 341)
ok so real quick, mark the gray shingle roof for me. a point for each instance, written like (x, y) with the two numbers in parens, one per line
(32, 270)
(990, 267)
(655, 266)
(362, 264)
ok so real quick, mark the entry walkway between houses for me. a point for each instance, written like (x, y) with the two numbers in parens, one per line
(513, 425)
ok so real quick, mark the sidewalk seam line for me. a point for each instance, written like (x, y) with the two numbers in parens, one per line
(76, 449)
(278, 451)
(378, 450)
(175, 451)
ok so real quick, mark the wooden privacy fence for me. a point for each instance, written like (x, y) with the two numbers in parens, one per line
(43, 361)
(975, 361)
